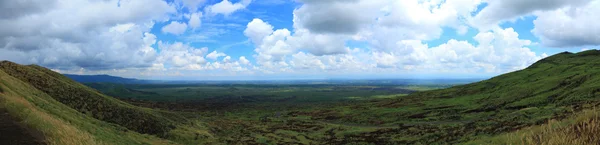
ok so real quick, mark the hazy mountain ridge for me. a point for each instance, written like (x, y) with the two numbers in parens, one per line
(396, 81)
(104, 79)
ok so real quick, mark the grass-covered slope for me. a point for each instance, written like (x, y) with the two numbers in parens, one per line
(552, 88)
(58, 123)
(580, 129)
(89, 101)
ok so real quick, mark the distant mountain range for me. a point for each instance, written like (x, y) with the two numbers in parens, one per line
(104, 79)
(121, 80)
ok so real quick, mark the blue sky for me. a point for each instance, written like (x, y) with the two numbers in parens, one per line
(294, 39)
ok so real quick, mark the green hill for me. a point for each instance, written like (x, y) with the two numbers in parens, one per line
(89, 101)
(67, 112)
(553, 88)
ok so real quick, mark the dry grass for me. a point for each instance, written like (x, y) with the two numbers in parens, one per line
(581, 129)
(585, 130)
(55, 131)
(59, 124)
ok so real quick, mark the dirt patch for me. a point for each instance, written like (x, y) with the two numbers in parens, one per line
(11, 132)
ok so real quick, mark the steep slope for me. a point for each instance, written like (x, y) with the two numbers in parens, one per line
(57, 123)
(12, 132)
(89, 101)
(54, 101)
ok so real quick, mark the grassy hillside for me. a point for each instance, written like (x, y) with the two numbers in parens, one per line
(553, 88)
(89, 101)
(70, 113)
(59, 123)
(581, 128)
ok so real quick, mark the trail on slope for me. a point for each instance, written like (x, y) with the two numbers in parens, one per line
(11, 133)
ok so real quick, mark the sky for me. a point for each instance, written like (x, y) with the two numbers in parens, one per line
(294, 39)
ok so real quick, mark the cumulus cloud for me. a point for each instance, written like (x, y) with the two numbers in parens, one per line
(498, 51)
(257, 29)
(225, 7)
(244, 61)
(175, 28)
(302, 60)
(376, 22)
(81, 34)
(319, 44)
(214, 55)
(336, 16)
(569, 26)
(15, 9)
(192, 5)
(503, 10)
(270, 45)
(393, 35)
(227, 59)
(180, 56)
(195, 21)
(412, 20)
(276, 45)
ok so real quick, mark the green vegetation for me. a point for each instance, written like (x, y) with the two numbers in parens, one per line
(59, 123)
(88, 101)
(551, 102)
(581, 128)
(63, 109)
(552, 88)
(193, 92)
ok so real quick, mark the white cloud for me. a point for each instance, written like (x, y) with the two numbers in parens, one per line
(319, 44)
(38, 25)
(302, 60)
(271, 46)
(178, 55)
(244, 61)
(327, 25)
(174, 27)
(502, 10)
(195, 21)
(392, 34)
(121, 46)
(226, 8)
(14, 9)
(257, 29)
(336, 16)
(214, 55)
(227, 59)
(569, 26)
(498, 51)
(274, 47)
(192, 5)
(412, 20)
